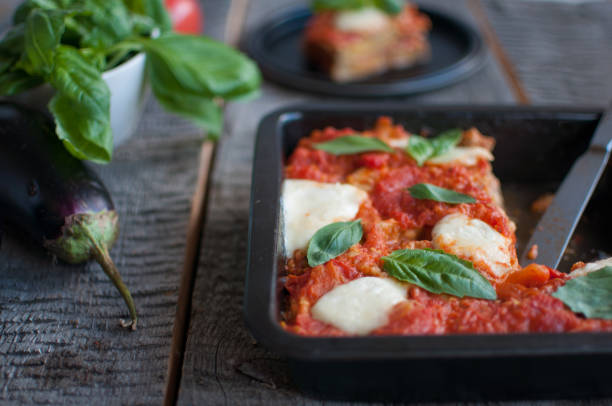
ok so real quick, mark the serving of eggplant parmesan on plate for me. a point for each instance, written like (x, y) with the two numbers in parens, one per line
(352, 43)
(391, 233)
(365, 48)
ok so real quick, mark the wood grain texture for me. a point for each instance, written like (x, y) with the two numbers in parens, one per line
(60, 341)
(498, 51)
(561, 49)
(215, 14)
(190, 260)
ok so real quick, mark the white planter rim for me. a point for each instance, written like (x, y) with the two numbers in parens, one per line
(126, 65)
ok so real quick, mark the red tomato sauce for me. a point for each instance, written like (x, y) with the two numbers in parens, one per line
(321, 28)
(393, 220)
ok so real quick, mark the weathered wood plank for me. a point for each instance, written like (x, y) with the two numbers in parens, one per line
(216, 29)
(560, 49)
(223, 365)
(59, 335)
(215, 16)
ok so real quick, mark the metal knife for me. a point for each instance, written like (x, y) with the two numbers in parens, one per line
(553, 232)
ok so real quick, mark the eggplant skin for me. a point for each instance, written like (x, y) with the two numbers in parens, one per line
(41, 184)
(55, 198)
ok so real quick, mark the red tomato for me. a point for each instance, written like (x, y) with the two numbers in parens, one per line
(374, 159)
(186, 16)
(533, 275)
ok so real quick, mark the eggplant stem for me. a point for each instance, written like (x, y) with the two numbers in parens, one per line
(100, 253)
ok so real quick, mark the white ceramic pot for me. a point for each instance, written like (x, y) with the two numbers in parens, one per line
(128, 88)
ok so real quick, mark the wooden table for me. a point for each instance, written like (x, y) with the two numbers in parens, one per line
(182, 248)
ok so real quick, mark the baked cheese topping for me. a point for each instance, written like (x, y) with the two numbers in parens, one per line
(592, 267)
(367, 19)
(398, 142)
(473, 240)
(462, 155)
(309, 205)
(361, 305)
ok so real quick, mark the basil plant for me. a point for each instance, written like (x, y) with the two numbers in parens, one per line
(70, 43)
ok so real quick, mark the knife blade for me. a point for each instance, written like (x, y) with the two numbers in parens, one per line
(555, 228)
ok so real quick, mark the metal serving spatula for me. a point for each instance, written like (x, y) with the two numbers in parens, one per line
(556, 227)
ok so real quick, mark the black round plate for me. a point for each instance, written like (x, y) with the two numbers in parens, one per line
(457, 52)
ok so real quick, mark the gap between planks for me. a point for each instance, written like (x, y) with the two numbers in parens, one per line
(233, 28)
(477, 10)
(190, 263)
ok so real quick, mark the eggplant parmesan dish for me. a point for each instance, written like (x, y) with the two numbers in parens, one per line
(389, 233)
(352, 44)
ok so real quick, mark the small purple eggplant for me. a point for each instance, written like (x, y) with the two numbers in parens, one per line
(55, 198)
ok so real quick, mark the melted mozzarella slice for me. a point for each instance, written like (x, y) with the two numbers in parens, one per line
(365, 19)
(361, 305)
(463, 155)
(592, 267)
(398, 142)
(310, 205)
(474, 240)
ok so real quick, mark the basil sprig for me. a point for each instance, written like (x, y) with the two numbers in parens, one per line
(438, 272)
(332, 240)
(421, 149)
(439, 194)
(590, 294)
(388, 6)
(69, 43)
(353, 144)
(446, 140)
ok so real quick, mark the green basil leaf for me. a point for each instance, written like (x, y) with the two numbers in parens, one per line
(391, 6)
(446, 141)
(94, 57)
(154, 9)
(6, 62)
(17, 81)
(353, 144)
(439, 194)
(419, 148)
(438, 272)
(21, 12)
(11, 48)
(335, 5)
(203, 66)
(43, 33)
(590, 294)
(143, 25)
(81, 107)
(12, 43)
(388, 6)
(332, 240)
(187, 71)
(24, 9)
(201, 111)
(100, 23)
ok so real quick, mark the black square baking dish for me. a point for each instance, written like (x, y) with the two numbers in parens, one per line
(535, 149)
